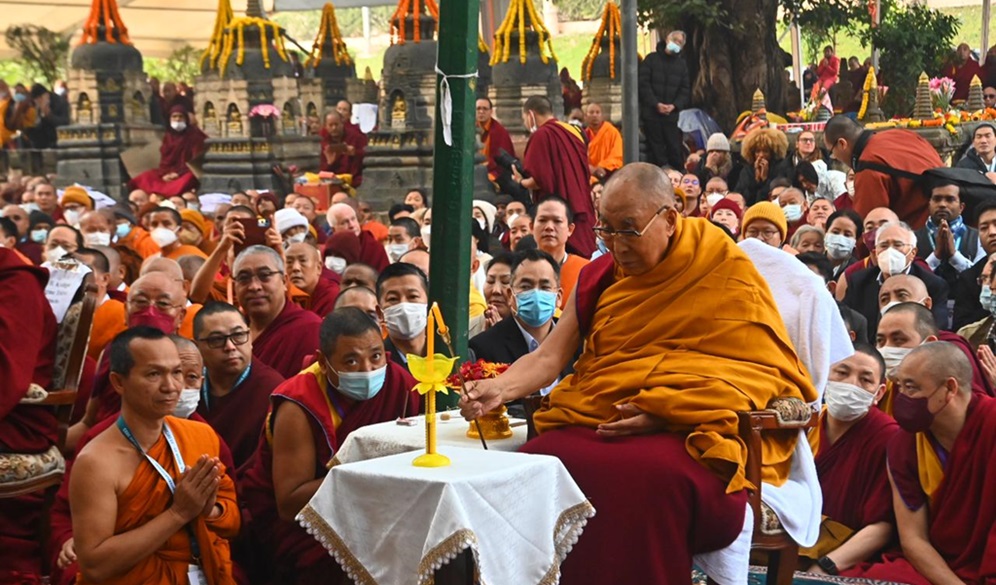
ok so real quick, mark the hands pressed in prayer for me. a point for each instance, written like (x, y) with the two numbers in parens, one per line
(761, 169)
(491, 317)
(944, 245)
(633, 422)
(67, 555)
(479, 398)
(197, 489)
(988, 361)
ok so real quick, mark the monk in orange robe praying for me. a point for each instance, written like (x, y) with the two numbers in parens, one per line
(605, 144)
(942, 466)
(150, 500)
(351, 384)
(680, 333)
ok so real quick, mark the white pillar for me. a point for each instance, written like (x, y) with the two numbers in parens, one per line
(797, 61)
(366, 29)
(878, 20)
(986, 5)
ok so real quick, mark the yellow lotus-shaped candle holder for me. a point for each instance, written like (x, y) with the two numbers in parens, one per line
(431, 372)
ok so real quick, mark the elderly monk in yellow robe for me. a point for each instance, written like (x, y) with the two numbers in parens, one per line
(605, 144)
(680, 332)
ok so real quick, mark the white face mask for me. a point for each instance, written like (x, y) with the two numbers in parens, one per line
(296, 238)
(838, 246)
(714, 199)
(396, 251)
(891, 261)
(849, 185)
(406, 320)
(187, 404)
(847, 402)
(893, 356)
(29, 207)
(336, 264)
(97, 239)
(426, 233)
(178, 126)
(72, 217)
(55, 254)
(163, 237)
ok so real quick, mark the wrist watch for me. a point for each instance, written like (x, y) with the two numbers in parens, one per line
(827, 564)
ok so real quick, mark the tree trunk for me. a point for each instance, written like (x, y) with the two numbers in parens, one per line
(727, 67)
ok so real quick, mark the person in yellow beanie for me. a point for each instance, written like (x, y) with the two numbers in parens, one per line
(75, 202)
(766, 222)
(196, 230)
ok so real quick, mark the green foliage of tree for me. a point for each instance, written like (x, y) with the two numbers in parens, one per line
(666, 13)
(574, 10)
(303, 25)
(43, 52)
(912, 39)
(822, 21)
(183, 65)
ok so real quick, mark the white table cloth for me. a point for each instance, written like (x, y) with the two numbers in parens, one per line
(388, 522)
(390, 438)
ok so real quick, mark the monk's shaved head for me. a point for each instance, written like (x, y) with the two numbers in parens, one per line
(184, 345)
(158, 281)
(922, 319)
(164, 265)
(942, 360)
(647, 181)
(355, 296)
(903, 288)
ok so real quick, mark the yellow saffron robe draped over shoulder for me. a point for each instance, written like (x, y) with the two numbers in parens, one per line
(693, 341)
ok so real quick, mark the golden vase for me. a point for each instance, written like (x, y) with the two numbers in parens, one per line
(494, 425)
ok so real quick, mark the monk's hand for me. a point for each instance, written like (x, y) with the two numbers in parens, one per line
(274, 240)
(350, 150)
(988, 362)
(516, 175)
(210, 505)
(633, 422)
(761, 169)
(67, 555)
(479, 398)
(196, 487)
(233, 234)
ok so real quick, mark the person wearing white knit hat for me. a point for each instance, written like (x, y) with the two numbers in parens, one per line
(293, 226)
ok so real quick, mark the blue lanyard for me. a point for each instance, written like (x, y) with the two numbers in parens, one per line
(195, 549)
(206, 394)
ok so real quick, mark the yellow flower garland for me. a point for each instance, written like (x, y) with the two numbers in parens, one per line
(415, 8)
(611, 24)
(515, 18)
(216, 45)
(237, 27)
(329, 29)
(868, 87)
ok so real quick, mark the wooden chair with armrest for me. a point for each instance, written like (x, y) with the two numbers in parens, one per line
(28, 473)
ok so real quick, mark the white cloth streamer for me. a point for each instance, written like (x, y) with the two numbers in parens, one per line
(446, 105)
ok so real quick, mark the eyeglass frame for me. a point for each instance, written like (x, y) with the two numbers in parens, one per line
(161, 305)
(244, 279)
(606, 234)
(220, 341)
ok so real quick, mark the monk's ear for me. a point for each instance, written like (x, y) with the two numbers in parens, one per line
(854, 336)
(510, 298)
(570, 229)
(928, 302)
(832, 287)
(117, 382)
(930, 338)
(878, 394)
(180, 316)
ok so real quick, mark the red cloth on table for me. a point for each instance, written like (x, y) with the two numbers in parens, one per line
(288, 340)
(345, 164)
(898, 149)
(852, 473)
(557, 158)
(294, 551)
(239, 415)
(656, 506)
(177, 150)
(962, 515)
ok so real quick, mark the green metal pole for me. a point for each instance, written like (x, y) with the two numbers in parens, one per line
(453, 172)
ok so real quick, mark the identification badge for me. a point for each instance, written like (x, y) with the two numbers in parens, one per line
(196, 576)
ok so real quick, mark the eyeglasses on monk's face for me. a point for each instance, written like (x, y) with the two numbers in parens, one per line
(989, 96)
(765, 234)
(608, 234)
(161, 305)
(246, 277)
(239, 337)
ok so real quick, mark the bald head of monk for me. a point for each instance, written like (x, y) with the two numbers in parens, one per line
(638, 217)
(116, 271)
(193, 372)
(418, 257)
(934, 388)
(157, 300)
(304, 266)
(903, 288)
(362, 298)
(878, 217)
(164, 265)
(593, 116)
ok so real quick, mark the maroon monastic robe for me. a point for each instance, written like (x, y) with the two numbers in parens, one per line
(345, 164)
(323, 297)
(557, 158)
(27, 355)
(297, 556)
(238, 416)
(288, 340)
(495, 139)
(852, 472)
(962, 514)
(177, 150)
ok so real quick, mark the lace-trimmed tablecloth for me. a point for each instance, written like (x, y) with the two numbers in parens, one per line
(391, 523)
(390, 438)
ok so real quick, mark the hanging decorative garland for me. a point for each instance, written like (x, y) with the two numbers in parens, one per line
(104, 12)
(610, 28)
(329, 30)
(515, 19)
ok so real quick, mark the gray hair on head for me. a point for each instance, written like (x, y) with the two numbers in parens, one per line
(647, 179)
(255, 250)
(910, 235)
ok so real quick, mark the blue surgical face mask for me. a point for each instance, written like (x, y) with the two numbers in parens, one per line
(122, 230)
(39, 236)
(535, 307)
(792, 212)
(986, 298)
(361, 385)
(673, 47)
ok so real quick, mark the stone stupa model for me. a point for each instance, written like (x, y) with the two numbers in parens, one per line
(399, 153)
(523, 65)
(109, 101)
(253, 105)
(601, 69)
